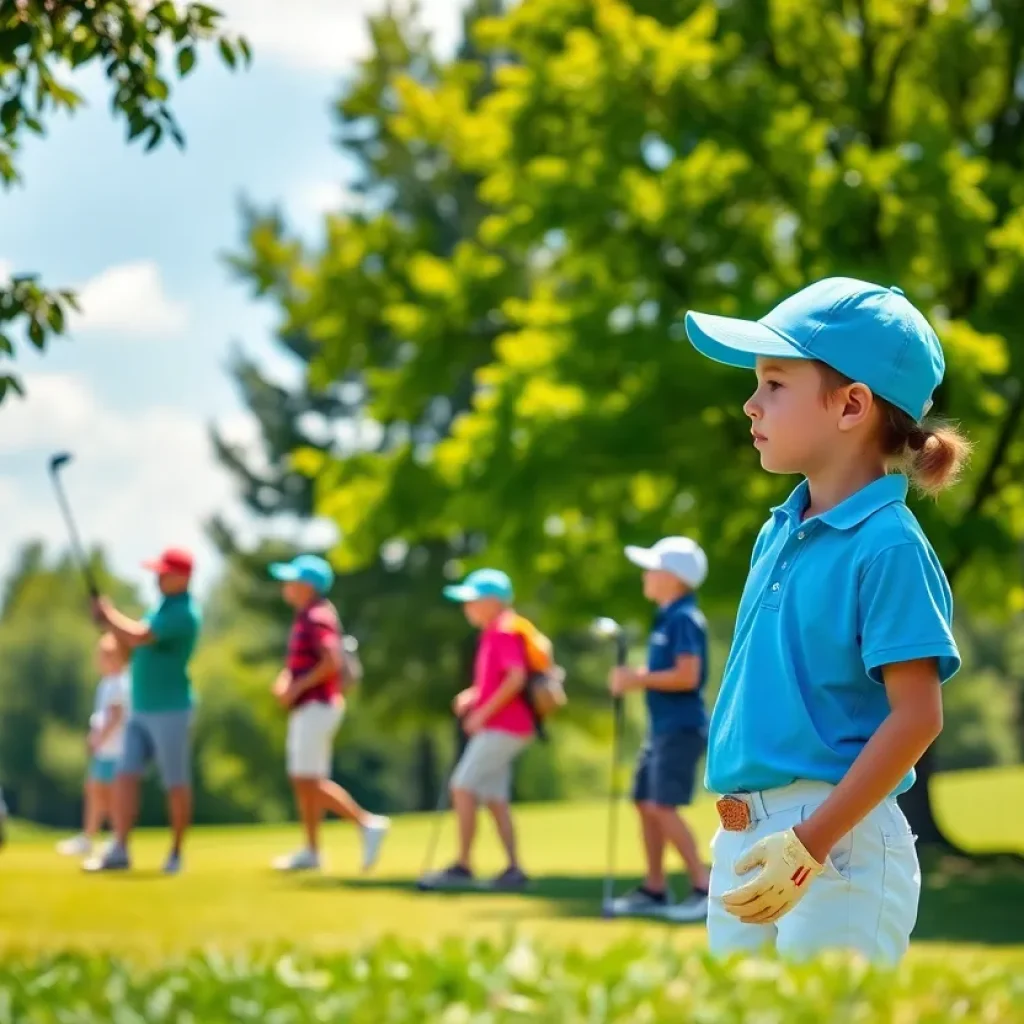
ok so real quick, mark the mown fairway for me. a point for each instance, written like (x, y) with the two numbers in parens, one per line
(229, 899)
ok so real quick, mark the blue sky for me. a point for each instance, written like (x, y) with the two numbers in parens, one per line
(142, 237)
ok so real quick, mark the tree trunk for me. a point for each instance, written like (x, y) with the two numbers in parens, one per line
(917, 806)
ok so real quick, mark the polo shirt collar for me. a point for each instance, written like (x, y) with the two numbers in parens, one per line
(679, 602)
(861, 505)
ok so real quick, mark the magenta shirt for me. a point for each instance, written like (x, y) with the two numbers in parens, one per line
(497, 654)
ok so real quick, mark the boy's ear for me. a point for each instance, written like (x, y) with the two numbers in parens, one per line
(857, 405)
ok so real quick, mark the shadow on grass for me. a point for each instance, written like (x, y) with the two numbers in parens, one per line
(961, 902)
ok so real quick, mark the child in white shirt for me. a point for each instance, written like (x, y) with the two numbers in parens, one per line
(106, 743)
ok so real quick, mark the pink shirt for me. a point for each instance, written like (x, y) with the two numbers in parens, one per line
(497, 654)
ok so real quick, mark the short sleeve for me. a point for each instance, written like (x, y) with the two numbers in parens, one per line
(324, 628)
(509, 652)
(117, 691)
(906, 612)
(685, 636)
(172, 622)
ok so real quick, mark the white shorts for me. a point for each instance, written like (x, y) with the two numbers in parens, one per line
(311, 731)
(865, 900)
(485, 768)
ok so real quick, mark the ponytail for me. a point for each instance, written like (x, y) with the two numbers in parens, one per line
(932, 454)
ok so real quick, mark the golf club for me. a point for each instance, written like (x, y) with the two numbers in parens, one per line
(438, 826)
(608, 629)
(57, 463)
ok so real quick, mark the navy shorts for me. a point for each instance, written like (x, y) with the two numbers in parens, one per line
(666, 769)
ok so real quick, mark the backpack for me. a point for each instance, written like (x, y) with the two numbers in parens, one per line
(545, 690)
(352, 665)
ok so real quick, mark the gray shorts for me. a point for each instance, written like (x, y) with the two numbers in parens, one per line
(485, 768)
(163, 737)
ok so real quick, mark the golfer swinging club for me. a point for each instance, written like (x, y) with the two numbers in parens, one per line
(159, 725)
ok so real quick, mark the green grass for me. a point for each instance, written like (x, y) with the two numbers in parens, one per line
(230, 900)
(474, 982)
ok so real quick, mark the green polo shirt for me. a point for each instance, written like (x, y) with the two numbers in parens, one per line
(160, 679)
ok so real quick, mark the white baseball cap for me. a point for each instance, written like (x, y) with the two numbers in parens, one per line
(682, 557)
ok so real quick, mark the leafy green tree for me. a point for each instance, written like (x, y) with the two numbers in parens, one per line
(141, 48)
(636, 160)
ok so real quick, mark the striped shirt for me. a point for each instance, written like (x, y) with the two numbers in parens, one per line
(316, 629)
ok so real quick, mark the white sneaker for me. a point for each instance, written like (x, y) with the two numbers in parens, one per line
(373, 836)
(76, 846)
(690, 910)
(304, 860)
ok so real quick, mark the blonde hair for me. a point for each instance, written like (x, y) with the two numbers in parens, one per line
(932, 454)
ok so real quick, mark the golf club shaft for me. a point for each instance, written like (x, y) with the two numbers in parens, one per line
(618, 727)
(76, 545)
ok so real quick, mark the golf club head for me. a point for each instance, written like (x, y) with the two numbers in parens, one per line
(59, 460)
(605, 628)
(607, 911)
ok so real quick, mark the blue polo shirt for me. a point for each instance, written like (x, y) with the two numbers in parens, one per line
(679, 628)
(828, 602)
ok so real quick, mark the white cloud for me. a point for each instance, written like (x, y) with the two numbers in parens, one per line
(140, 481)
(6, 268)
(129, 299)
(321, 197)
(325, 35)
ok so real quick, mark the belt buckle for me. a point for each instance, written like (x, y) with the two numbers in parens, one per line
(734, 814)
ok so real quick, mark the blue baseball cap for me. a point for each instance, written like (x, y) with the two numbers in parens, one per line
(868, 333)
(310, 569)
(481, 583)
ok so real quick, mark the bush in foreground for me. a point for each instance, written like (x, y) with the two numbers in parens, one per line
(473, 983)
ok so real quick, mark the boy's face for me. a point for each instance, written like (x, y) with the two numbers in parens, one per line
(794, 429)
(482, 612)
(662, 587)
(298, 594)
(171, 583)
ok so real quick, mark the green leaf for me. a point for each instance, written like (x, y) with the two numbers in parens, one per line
(156, 133)
(6, 346)
(186, 60)
(55, 318)
(243, 45)
(37, 334)
(227, 53)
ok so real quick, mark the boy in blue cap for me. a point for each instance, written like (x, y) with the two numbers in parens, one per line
(677, 668)
(498, 721)
(311, 687)
(832, 689)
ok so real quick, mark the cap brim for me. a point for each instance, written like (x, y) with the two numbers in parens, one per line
(461, 593)
(737, 342)
(154, 566)
(284, 571)
(645, 558)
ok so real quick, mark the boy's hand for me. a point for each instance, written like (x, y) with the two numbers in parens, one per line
(622, 679)
(281, 687)
(100, 608)
(787, 870)
(463, 702)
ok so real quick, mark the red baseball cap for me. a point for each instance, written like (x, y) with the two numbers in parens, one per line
(173, 560)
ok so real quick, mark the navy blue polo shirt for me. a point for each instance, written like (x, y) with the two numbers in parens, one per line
(829, 602)
(679, 628)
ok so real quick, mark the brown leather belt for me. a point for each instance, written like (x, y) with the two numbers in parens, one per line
(734, 814)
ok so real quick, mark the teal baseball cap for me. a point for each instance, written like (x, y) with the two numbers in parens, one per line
(310, 569)
(866, 332)
(481, 583)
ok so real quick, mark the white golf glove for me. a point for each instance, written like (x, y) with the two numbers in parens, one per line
(787, 870)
